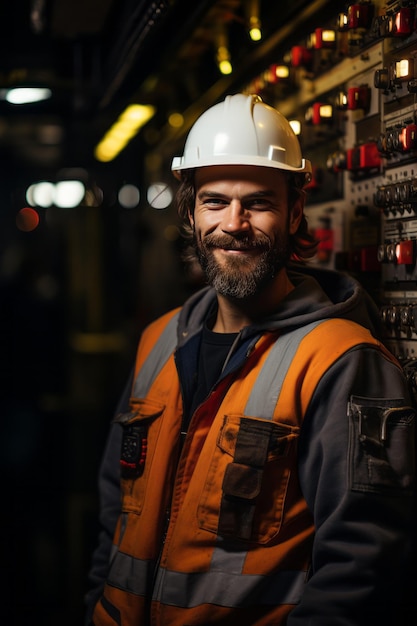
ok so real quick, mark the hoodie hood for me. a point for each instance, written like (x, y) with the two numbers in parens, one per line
(318, 294)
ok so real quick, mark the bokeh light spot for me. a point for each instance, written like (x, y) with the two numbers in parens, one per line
(129, 196)
(27, 219)
(172, 232)
(159, 195)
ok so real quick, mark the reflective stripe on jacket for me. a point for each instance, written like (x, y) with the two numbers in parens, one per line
(218, 532)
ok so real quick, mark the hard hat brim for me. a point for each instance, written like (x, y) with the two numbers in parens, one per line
(179, 165)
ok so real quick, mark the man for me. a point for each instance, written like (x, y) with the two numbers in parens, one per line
(266, 454)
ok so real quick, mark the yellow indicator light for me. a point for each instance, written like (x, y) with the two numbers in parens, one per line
(326, 110)
(255, 34)
(282, 71)
(402, 68)
(296, 126)
(223, 60)
(328, 36)
(342, 21)
(225, 67)
(342, 99)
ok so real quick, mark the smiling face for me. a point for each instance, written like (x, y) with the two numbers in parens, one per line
(242, 225)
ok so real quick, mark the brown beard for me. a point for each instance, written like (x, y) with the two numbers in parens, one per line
(240, 278)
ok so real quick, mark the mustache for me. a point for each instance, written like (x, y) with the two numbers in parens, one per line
(233, 243)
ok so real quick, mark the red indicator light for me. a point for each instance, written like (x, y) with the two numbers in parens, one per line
(301, 57)
(358, 98)
(360, 15)
(404, 252)
(403, 23)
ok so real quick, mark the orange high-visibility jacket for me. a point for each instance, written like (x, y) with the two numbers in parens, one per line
(217, 530)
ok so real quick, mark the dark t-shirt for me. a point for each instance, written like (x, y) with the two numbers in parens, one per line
(214, 349)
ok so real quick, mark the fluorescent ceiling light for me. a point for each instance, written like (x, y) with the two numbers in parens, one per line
(27, 95)
(126, 126)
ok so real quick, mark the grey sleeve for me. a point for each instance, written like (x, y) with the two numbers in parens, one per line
(357, 475)
(110, 508)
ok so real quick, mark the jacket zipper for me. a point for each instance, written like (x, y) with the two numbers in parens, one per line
(182, 437)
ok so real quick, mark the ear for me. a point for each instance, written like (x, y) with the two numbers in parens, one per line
(296, 214)
(190, 218)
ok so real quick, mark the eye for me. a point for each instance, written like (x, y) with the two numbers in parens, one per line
(214, 202)
(259, 204)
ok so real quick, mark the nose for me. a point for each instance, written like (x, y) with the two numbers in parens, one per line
(235, 218)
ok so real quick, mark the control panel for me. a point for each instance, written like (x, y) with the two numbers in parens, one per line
(351, 89)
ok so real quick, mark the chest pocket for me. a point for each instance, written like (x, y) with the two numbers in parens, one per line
(141, 428)
(245, 488)
(141, 425)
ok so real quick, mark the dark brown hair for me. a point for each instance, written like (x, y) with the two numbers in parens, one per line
(303, 244)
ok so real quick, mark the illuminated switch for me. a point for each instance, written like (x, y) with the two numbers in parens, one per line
(341, 101)
(301, 57)
(358, 98)
(409, 137)
(402, 22)
(324, 38)
(319, 113)
(404, 252)
(360, 15)
(364, 157)
(402, 70)
(369, 156)
(277, 73)
(342, 22)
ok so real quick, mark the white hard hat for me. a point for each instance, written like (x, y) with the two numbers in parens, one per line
(242, 130)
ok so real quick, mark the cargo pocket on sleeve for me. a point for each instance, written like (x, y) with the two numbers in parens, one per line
(381, 445)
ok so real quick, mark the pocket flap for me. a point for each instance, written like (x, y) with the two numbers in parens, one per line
(140, 409)
(242, 481)
(280, 436)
